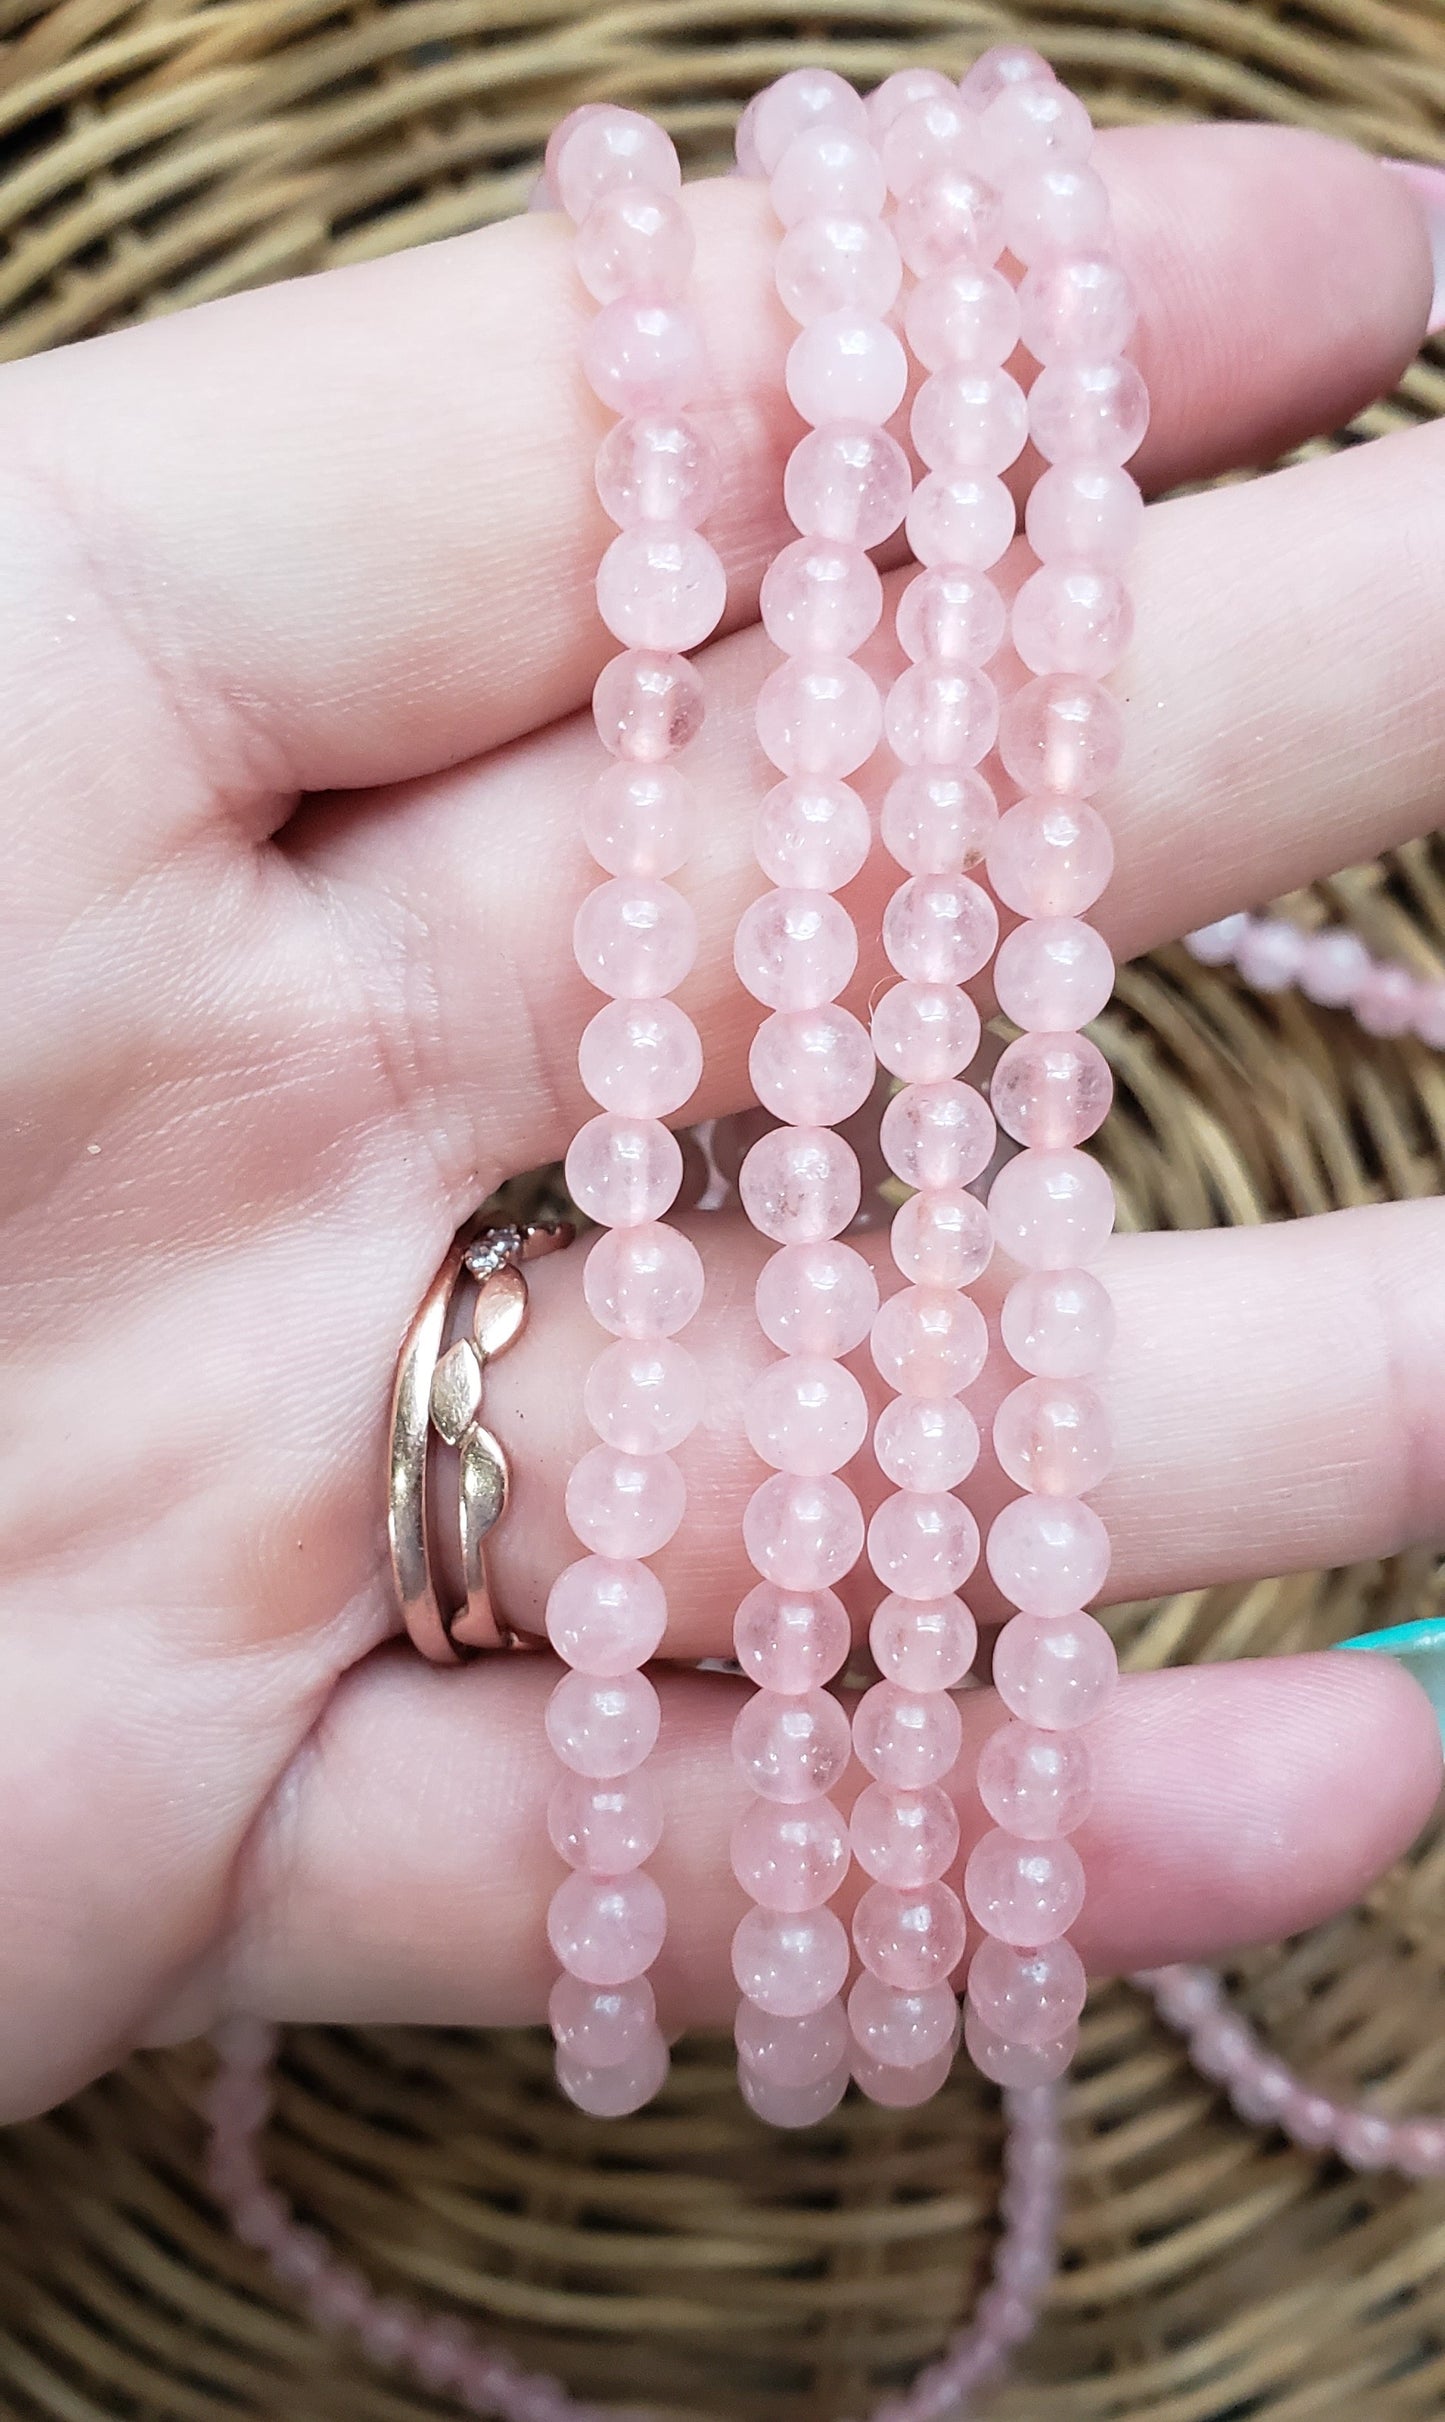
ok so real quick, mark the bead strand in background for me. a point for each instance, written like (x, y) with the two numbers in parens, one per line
(660, 591)
(818, 719)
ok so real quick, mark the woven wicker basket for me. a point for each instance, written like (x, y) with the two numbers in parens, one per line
(155, 154)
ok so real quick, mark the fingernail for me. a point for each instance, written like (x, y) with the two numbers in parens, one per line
(1420, 1648)
(1428, 187)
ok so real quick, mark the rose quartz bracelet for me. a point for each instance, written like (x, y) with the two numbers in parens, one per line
(660, 590)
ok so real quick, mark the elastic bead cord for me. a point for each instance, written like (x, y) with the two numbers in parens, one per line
(812, 1067)
(660, 591)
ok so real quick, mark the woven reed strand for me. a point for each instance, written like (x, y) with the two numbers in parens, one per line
(154, 156)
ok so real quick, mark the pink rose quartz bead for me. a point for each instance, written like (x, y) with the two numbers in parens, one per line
(1024, 1893)
(634, 243)
(929, 1341)
(818, 1298)
(800, 1185)
(640, 1058)
(601, 2026)
(902, 2030)
(922, 1545)
(561, 134)
(952, 212)
(606, 1930)
(647, 705)
(1056, 1673)
(1081, 308)
(660, 586)
(910, 1940)
(611, 2093)
(819, 717)
(1035, 1784)
(792, 2106)
(900, 2089)
(1068, 618)
(1049, 1555)
(924, 1644)
(635, 939)
(1084, 513)
(806, 1415)
(812, 1067)
(904, 1836)
(924, 1032)
(1037, 119)
(640, 819)
(1018, 2066)
(1062, 733)
(1052, 1210)
(790, 1963)
(926, 137)
(791, 1641)
(795, 2052)
(969, 419)
(942, 715)
(608, 151)
(643, 357)
(795, 949)
(1333, 967)
(937, 1135)
(937, 820)
(1091, 411)
(820, 599)
(1386, 1001)
(942, 1239)
(790, 1858)
(603, 1728)
(963, 518)
(904, 1738)
(845, 367)
(643, 1282)
(803, 1532)
(835, 262)
(940, 929)
(1027, 1997)
(791, 1747)
(657, 468)
(1050, 857)
(899, 91)
(848, 483)
(1052, 1437)
(606, 1616)
(1058, 207)
(1271, 954)
(827, 167)
(1051, 1090)
(964, 315)
(807, 96)
(605, 1828)
(623, 1171)
(812, 835)
(926, 1443)
(1004, 65)
(1058, 1324)
(643, 1395)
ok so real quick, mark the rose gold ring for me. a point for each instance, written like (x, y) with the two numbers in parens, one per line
(435, 1405)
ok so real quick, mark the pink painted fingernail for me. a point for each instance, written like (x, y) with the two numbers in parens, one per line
(1428, 187)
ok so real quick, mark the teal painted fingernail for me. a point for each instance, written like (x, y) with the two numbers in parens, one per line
(1420, 1648)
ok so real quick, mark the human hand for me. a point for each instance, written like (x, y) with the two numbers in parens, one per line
(298, 641)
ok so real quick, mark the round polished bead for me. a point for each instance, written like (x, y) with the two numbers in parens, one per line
(1024, 1893)
(1052, 1210)
(964, 315)
(609, 150)
(937, 1135)
(1033, 121)
(1017, 2067)
(1271, 954)
(950, 213)
(904, 1836)
(1334, 966)
(905, 2089)
(806, 1415)
(606, 1616)
(804, 1532)
(1084, 512)
(634, 243)
(640, 1058)
(791, 1640)
(942, 1239)
(1058, 1323)
(1050, 857)
(849, 483)
(647, 706)
(845, 367)
(795, 949)
(837, 262)
(1028, 1996)
(1055, 1672)
(811, 834)
(643, 1282)
(605, 1828)
(816, 1299)
(792, 2106)
(812, 1067)
(828, 167)
(640, 819)
(926, 1443)
(922, 1544)
(1062, 733)
(1088, 411)
(941, 714)
(931, 134)
(611, 2093)
(643, 1395)
(1069, 618)
(625, 1505)
(965, 418)
(790, 1858)
(902, 2030)
(1077, 309)
(924, 1032)
(800, 1185)
(950, 615)
(657, 467)
(923, 1643)
(561, 135)
(960, 517)
(929, 1341)
(623, 1171)
(606, 1930)
(1053, 974)
(940, 929)
(601, 2026)
(806, 96)
(796, 2052)
(910, 1940)
(996, 69)
(1059, 207)
(898, 92)
(791, 1748)
(906, 1739)
(1048, 1554)
(819, 598)
(603, 1728)
(660, 586)
(1052, 1436)
(819, 717)
(634, 938)
(644, 357)
(790, 1963)
(1051, 1090)
(1035, 1784)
